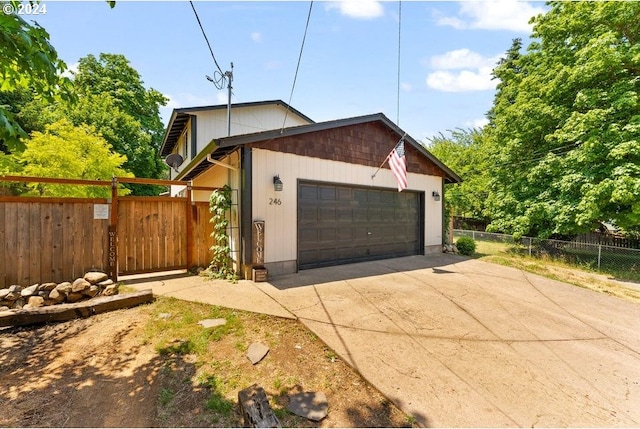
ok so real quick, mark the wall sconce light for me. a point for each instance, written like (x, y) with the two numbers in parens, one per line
(436, 195)
(277, 183)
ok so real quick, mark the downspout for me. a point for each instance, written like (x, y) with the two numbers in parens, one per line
(246, 209)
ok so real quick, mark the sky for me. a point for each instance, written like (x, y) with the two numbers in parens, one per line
(348, 67)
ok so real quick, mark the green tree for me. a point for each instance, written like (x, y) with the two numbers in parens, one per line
(112, 74)
(565, 124)
(27, 62)
(72, 152)
(112, 97)
(464, 152)
(123, 133)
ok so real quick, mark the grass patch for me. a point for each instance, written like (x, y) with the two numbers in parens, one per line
(574, 266)
(165, 397)
(203, 369)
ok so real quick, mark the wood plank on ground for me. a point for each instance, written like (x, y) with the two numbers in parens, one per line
(255, 408)
(64, 312)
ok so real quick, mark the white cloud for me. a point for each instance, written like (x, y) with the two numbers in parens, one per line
(406, 87)
(71, 70)
(477, 123)
(359, 9)
(462, 70)
(461, 81)
(462, 58)
(510, 15)
(256, 37)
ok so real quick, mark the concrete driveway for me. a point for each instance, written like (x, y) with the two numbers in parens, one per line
(458, 342)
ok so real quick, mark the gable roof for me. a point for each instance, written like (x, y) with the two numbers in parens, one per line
(219, 148)
(180, 117)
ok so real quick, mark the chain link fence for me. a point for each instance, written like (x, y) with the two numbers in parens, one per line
(585, 255)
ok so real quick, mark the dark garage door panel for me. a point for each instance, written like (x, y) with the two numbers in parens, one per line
(342, 224)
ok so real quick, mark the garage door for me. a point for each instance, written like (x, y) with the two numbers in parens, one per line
(341, 224)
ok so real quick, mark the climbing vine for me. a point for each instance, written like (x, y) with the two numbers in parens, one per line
(221, 265)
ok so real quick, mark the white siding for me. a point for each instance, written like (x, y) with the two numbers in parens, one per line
(212, 124)
(281, 219)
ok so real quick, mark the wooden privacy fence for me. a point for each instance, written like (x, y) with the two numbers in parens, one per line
(59, 239)
(153, 234)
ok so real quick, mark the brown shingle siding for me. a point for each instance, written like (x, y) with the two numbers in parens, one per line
(364, 144)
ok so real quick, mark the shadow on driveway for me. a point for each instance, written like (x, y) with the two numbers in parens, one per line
(362, 270)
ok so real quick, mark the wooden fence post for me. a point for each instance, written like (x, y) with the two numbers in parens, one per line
(189, 216)
(113, 232)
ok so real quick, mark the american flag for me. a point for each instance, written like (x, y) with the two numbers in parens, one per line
(398, 164)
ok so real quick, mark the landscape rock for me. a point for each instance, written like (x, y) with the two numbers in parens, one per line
(110, 290)
(95, 277)
(212, 323)
(105, 283)
(164, 316)
(310, 405)
(35, 301)
(79, 285)
(92, 291)
(16, 297)
(257, 352)
(57, 296)
(48, 286)
(28, 291)
(64, 288)
(74, 297)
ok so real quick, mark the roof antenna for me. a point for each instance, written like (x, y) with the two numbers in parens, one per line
(219, 79)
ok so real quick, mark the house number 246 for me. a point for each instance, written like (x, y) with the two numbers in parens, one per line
(275, 202)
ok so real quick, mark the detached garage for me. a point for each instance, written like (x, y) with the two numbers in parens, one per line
(317, 193)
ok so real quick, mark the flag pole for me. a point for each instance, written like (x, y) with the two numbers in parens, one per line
(387, 158)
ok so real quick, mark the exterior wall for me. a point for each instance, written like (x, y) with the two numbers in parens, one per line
(212, 124)
(364, 144)
(218, 176)
(281, 219)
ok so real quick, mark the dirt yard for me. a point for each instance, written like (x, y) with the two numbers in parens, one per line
(124, 369)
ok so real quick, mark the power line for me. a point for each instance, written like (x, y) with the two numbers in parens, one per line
(295, 77)
(399, 34)
(205, 37)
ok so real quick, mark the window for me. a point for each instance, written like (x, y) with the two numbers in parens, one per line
(185, 146)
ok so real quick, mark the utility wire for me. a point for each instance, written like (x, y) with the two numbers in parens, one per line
(206, 38)
(295, 77)
(399, 34)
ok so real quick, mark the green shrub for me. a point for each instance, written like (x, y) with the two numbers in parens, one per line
(466, 246)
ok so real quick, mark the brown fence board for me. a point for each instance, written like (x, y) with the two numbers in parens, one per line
(35, 234)
(47, 241)
(22, 238)
(57, 234)
(3, 248)
(153, 231)
(11, 241)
